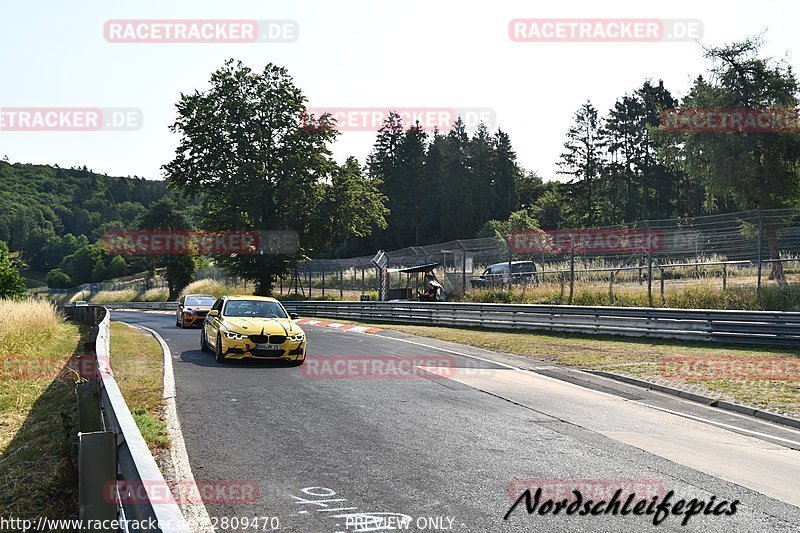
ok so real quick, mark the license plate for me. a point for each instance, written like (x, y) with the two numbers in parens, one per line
(268, 347)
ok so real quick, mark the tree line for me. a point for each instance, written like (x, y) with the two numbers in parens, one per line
(250, 157)
(617, 167)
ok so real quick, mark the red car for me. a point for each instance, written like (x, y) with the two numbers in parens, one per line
(192, 309)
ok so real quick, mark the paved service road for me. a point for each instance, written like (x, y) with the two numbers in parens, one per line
(448, 447)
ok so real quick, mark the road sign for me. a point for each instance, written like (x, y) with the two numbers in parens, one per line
(381, 259)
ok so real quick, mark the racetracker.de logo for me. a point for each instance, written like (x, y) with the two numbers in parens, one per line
(371, 119)
(201, 31)
(763, 368)
(70, 119)
(600, 241)
(200, 242)
(209, 492)
(593, 30)
(379, 367)
(66, 368)
(722, 120)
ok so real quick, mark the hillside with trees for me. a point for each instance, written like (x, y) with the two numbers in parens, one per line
(55, 218)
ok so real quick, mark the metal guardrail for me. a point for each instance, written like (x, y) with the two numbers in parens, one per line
(116, 451)
(163, 306)
(750, 327)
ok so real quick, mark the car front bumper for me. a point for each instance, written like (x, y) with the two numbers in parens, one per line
(246, 349)
(192, 320)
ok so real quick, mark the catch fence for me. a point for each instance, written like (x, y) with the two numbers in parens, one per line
(743, 249)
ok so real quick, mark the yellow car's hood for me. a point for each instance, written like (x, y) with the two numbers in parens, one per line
(254, 326)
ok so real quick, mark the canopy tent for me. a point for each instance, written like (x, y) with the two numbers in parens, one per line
(411, 287)
(426, 268)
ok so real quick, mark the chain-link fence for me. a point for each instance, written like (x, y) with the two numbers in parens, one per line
(653, 257)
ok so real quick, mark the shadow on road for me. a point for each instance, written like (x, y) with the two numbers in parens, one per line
(200, 358)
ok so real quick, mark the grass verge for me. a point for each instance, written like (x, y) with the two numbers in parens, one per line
(763, 377)
(38, 421)
(136, 359)
(697, 294)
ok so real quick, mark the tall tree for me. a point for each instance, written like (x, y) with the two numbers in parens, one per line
(757, 169)
(167, 215)
(583, 156)
(459, 216)
(258, 161)
(507, 176)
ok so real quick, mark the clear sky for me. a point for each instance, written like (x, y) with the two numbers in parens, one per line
(429, 54)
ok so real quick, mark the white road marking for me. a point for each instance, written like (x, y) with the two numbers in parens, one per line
(720, 424)
(694, 417)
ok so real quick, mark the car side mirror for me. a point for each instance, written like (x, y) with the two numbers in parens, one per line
(294, 316)
(213, 312)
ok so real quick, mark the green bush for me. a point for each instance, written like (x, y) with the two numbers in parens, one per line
(58, 279)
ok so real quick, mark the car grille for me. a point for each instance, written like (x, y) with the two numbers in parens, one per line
(201, 313)
(266, 353)
(268, 339)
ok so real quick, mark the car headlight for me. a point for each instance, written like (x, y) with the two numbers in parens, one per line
(235, 336)
(298, 337)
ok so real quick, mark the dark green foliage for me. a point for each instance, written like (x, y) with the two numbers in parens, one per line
(58, 279)
(48, 214)
(259, 162)
(163, 215)
(12, 285)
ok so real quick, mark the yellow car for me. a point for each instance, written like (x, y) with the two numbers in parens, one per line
(252, 327)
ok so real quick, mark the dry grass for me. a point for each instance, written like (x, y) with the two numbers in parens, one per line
(153, 295)
(27, 325)
(127, 295)
(37, 412)
(215, 288)
(694, 294)
(136, 359)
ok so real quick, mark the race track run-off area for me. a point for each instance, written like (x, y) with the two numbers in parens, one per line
(382, 432)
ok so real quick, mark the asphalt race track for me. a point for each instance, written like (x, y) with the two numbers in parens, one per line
(452, 443)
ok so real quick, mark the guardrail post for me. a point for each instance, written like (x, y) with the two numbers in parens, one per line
(362, 280)
(97, 465)
(90, 418)
(661, 279)
(323, 283)
(341, 283)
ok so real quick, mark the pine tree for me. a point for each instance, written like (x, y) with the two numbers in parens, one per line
(583, 157)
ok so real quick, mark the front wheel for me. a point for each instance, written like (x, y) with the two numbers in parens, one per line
(203, 344)
(219, 355)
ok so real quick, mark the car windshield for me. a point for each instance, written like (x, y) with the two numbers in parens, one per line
(200, 300)
(254, 308)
